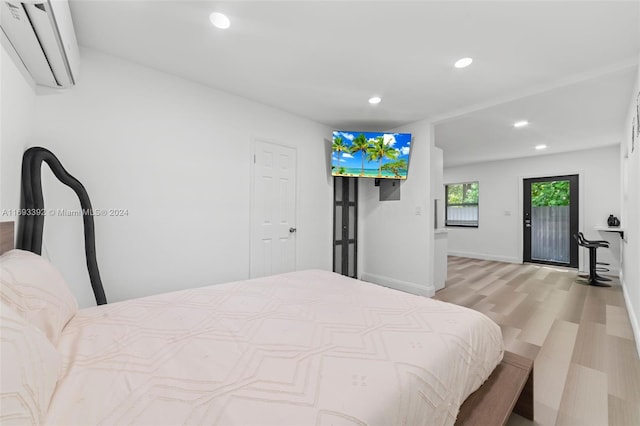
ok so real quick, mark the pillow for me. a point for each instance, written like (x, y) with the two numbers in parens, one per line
(34, 288)
(30, 368)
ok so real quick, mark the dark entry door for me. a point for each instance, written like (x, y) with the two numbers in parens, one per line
(345, 226)
(550, 215)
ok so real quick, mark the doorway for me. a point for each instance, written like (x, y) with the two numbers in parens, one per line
(550, 213)
(345, 226)
(273, 217)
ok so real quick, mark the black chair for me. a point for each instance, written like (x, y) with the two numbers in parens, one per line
(593, 245)
(604, 244)
(599, 243)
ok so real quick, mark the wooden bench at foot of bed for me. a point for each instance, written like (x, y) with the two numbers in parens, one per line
(508, 389)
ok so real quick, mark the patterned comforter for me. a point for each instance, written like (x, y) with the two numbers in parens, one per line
(303, 348)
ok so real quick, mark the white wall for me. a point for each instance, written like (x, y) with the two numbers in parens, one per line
(499, 236)
(177, 155)
(630, 220)
(396, 237)
(440, 238)
(16, 109)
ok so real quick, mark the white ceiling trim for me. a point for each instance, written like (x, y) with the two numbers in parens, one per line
(536, 90)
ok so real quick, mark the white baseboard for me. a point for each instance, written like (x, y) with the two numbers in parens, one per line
(405, 286)
(632, 315)
(483, 256)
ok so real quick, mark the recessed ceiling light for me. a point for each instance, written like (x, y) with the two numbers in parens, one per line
(220, 20)
(539, 147)
(521, 123)
(463, 63)
(375, 100)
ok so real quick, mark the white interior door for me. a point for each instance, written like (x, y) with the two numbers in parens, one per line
(273, 236)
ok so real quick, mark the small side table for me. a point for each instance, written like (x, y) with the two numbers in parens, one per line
(618, 229)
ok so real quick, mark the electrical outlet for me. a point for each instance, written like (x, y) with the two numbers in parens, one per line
(418, 210)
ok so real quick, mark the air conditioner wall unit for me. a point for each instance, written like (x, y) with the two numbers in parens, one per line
(42, 34)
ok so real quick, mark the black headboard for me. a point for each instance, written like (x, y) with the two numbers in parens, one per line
(31, 225)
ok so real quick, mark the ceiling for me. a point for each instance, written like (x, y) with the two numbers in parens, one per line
(566, 66)
(582, 115)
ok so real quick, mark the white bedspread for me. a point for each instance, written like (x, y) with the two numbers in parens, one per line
(305, 348)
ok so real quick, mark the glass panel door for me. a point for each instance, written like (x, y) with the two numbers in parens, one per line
(550, 219)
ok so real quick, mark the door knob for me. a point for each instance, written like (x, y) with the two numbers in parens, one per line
(292, 230)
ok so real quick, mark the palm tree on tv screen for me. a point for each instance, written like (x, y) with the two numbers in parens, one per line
(360, 144)
(339, 146)
(396, 167)
(379, 151)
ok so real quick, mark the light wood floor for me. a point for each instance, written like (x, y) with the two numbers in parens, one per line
(586, 370)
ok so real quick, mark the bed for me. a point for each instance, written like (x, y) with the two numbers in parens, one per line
(302, 348)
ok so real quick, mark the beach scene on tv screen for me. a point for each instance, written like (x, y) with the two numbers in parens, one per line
(370, 154)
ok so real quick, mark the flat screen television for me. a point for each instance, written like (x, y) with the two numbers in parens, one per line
(370, 154)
